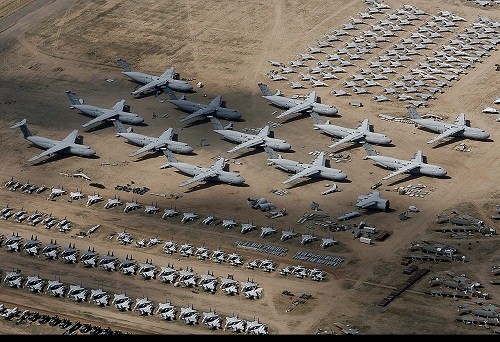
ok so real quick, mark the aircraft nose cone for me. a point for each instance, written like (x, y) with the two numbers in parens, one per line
(89, 152)
(332, 111)
(186, 149)
(239, 180)
(485, 136)
(287, 146)
(341, 176)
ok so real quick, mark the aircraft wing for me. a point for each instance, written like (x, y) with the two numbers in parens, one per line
(105, 116)
(148, 147)
(350, 137)
(207, 110)
(403, 169)
(151, 85)
(167, 135)
(447, 133)
(168, 74)
(301, 106)
(249, 143)
(199, 177)
(119, 106)
(71, 137)
(54, 149)
(304, 173)
(320, 159)
(219, 164)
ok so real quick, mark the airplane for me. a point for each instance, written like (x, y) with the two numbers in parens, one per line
(168, 274)
(108, 262)
(144, 306)
(167, 311)
(308, 238)
(13, 243)
(78, 293)
(56, 192)
(11, 313)
(459, 128)
(91, 199)
(327, 242)
(189, 315)
(361, 134)
(165, 140)
(208, 282)
(122, 302)
(287, 234)
(129, 206)
(89, 258)
(151, 209)
(415, 165)
(32, 246)
(256, 328)
(69, 254)
(35, 283)
(229, 286)
(125, 238)
(212, 320)
(373, 200)
(218, 256)
(35, 218)
(294, 105)
(246, 140)
(186, 249)
(71, 144)
(234, 259)
(51, 250)
(188, 277)
(235, 324)
(340, 92)
(119, 111)
(210, 219)
(76, 195)
(151, 83)
(112, 202)
(99, 297)
(128, 266)
(247, 227)
(262, 204)
(170, 247)
(55, 288)
(169, 213)
(229, 223)
(14, 279)
(147, 270)
(317, 169)
(216, 107)
(214, 173)
(202, 253)
(265, 231)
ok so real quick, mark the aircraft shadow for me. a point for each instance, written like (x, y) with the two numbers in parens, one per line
(250, 153)
(107, 124)
(410, 177)
(314, 180)
(207, 185)
(61, 157)
(456, 140)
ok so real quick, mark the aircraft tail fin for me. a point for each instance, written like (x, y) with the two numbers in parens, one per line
(123, 64)
(169, 92)
(119, 128)
(412, 112)
(73, 99)
(264, 89)
(216, 122)
(170, 157)
(370, 151)
(272, 153)
(316, 119)
(24, 128)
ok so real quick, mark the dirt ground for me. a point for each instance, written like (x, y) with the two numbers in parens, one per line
(49, 47)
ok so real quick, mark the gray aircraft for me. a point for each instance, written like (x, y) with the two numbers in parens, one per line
(373, 200)
(214, 173)
(295, 105)
(151, 83)
(119, 111)
(316, 169)
(72, 144)
(361, 134)
(246, 140)
(216, 107)
(415, 165)
(165, 140)
(459, 128)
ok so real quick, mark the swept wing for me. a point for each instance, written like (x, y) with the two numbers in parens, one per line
(162, 140)
(304, 173)
(201, 176)
(108, 114)
(308, 102)
(65, 143)
(249, 143)
(401, 170)
(447, 133)
(350, 137)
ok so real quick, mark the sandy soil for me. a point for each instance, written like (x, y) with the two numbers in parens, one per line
(53, 46)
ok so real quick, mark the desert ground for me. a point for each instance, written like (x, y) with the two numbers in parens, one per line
(49, 47)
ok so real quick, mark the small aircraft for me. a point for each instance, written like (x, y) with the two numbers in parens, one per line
(129, 206)
(214, 173)
(167, 311)
(246, 140)
(89, 258)
(10, 313)
(170, 247)
(265, 231)
(108, 262)
(187, 277)
(119, 111)
(287, 234)
(373, 200)
(144, 306)
(235, 324)
(208, 282)
(71, 144)
(188, 217)
(294, 105)
(308, 238)
(415, 165)
(78, 293)
(229, 223)
(216, 108)
(189, 315)
(151, 209)
(165, 140)
(234, 259)
(76, 195)
(168, 80)
(218, 256)
(256, 328)
(99, 297)
(202, 253)
(247, 227)
(13, 243)
(210, 219)
(14, 279)
(128, 266)
(91, 199)
(32, 246)
(56, 192)
(35, 284)
(169, 213)
(186, 249)
(168, 274)
(459, 128)
(148, 270)
(122, 302)
(229, 286)
(112, 202)
(69, 254)
(51, 250)
(212, 320)
(317, 169)
(55, 288)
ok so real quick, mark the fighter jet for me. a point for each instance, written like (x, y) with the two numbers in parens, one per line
(128, 266)
(13, 243)
(167, 311)
(144, 306)
(317, 169)
(459, 128)
(35, 284)
(218, 256)
(151, 83)
(235, 324)
(168, 274)
(229, 286)
(415, 165)
(187, 277)
(76, 195)
(208, 282)
(202, 253)
(215, 108)
(148, 270)
(14, 279)
(151, 209)
(265, 231)
(170, 247)
(119, 111)
(99, 297)
(234, 259)
(189, 315)
(51, 250)
(294, 105)
(129, 206)
(212, 320)
(255, 328)
(169, 213)
(91, 199)
(327, 242)
(71, 144)
(55, 288)
(78, 293)
(214, 173)
(247, 140)
(287, 234)
(247, 227)
(69, 254)
(112, 202)
(89, 258)
(229, 223)
(373, 200)
(186, 250)
(108, 262)
(148, 143)
(32, 246)
(122, 302)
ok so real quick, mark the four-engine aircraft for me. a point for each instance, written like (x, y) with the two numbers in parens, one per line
(69, 145)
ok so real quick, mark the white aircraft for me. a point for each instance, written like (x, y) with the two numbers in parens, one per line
(55, 288)
(99, 297)
(246, 140)
(170, 247)
(77, 293)
(247, 227)
(14, 279)
(129, 206)
(208, 282)
(167, 311)
(265, 231)
(361, 134)
(122, 302)
(144, 306)
(169, 213)
(91, 199)
(151, 83)
(118, 112)
(213, 173)
(295, 105)
(112, 202)
(188, 216)
(89, 258)
(415, 165)
(151, 209)
(35, 284)
(212, 320)
(229, 223)
(128, 266)
(168, 274)
(373, 200)
(235, 324)
(459, 128)
(165, 140)
(51, 250)
(71, 144)
(189, 315)
(327, 242)
(287, 234)
(70, 254)
(316, 169)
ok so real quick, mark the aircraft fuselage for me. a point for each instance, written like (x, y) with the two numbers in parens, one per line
(222, 176)
(218, 112)
(143, 140)
(467, 132)
(125, 117)
(287, 103)
(296, 167)
(240, 137)
(342, 132)
(76, 149)
(423, 168)
(156, 82)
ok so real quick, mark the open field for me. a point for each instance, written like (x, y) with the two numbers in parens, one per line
(49, 47)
